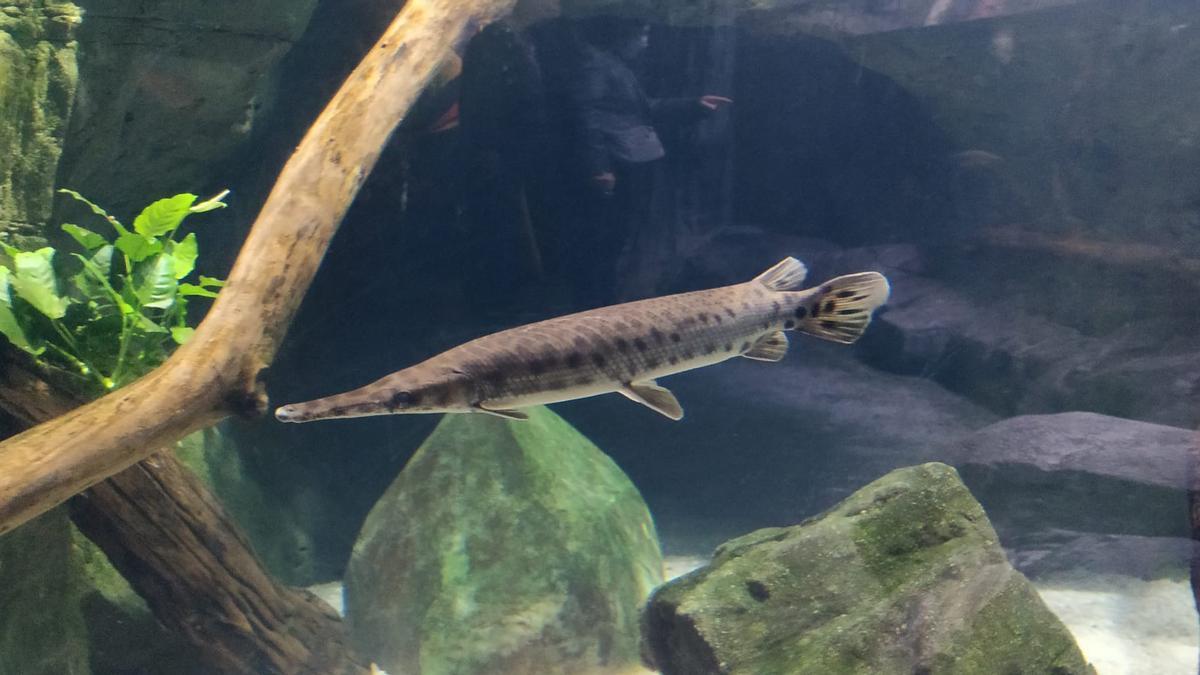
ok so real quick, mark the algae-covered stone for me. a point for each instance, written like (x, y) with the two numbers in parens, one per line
(123, 635)
(503, 547)
(904, 576)
(41, 627)
(38, 76)
(278, 537)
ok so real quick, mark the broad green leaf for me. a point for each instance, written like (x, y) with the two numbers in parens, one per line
(193, 289)
(155, 282)
(86, 238)
(209, 281)
(137, 247)
(92, 280)
(10, 325)
(163, 216)
(185, 252)
(10, 251)
(102, 260)
(211, 204)
(182, 334)
(35, 282)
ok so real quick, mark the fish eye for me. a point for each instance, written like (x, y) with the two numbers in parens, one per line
(403, 398)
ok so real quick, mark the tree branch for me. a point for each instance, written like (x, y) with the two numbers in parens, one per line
(217, 372)
(171, 539)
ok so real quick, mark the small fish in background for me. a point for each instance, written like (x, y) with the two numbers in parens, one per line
(622, 349)
(976, 159)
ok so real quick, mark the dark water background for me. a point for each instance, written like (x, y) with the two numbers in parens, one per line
(1029, 180)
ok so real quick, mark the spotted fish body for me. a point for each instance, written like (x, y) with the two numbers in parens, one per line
(622, 348)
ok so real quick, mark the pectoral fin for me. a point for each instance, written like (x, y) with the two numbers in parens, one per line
(506, 414)
(654, 397)
(770, 347)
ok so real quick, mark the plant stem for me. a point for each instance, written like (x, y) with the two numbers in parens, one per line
(84, 369)
(78, 357)
(117, 376)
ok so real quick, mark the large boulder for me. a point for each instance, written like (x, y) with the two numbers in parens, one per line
(1054, 554)
(997, 353)
(503, 547)
(904, 576)
(1080, 472)
(38, 76)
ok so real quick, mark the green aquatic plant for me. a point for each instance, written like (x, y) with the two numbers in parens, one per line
(114, 312)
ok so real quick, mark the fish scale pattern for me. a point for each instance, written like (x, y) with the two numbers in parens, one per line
(602, 349)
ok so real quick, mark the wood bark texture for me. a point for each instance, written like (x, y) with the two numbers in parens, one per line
(217, 372)
(175, 544)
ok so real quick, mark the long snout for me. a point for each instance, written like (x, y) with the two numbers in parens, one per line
(358, 403)
(291, 413)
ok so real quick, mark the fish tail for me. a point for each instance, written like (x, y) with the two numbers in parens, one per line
(841, 308)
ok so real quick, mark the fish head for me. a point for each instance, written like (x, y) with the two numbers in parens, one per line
(413, 390)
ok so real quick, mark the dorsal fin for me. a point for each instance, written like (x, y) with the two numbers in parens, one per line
(787, 275)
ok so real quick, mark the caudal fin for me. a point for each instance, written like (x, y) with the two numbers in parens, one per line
(841, 308)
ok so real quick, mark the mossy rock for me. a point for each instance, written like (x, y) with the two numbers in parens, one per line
(42, 630)
(278, 537)
(64, 610)
(904, 576)
(38, 77)
(123, 635)
(503, 547)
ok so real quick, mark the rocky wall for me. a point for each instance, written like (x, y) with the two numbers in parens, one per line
(170, 92)
(38, 76)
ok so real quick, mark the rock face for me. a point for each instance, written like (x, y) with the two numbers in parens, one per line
(1080, 472)
(503, 547)
(1081, 159)
(124, 637)
(38, 77)
(904, 576)
(278, 533)
(169, 91)
(41, 627)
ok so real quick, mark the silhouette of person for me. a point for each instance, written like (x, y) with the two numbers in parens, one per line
(614, 123)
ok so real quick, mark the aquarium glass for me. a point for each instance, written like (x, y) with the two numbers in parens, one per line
(939, 416)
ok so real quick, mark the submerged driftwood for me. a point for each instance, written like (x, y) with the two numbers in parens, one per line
(166, 533)
(218, 372)
(156, 521)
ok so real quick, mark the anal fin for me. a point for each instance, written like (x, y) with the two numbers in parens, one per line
(654, 397)
(506, 414)
(770, 347)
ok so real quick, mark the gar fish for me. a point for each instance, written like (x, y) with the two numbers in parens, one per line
(622, 348)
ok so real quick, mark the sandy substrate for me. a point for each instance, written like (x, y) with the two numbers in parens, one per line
(1124, 625)
(1127, 626)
